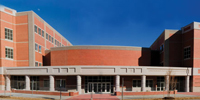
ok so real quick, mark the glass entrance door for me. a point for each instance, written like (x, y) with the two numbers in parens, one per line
(99, 87)
(161, 86)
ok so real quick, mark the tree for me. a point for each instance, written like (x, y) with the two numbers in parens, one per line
(170, 77)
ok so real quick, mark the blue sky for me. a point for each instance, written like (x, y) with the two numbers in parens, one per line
(112, 22)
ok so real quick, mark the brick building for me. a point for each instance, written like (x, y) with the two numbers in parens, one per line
(34, 56)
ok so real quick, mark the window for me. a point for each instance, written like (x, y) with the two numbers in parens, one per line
(40, 64)
(46, 83)
(8, 34)
(35, 28)
(60, 44)
(42, 33)
(55, 41)
(47, 36)
(40, 48)
(36, 63)
(39, 31)
(36, 47)
(161, 48)
(186, 52)
(52, 40)
(136, 83)
(149, 83)
(9, 53)
(60, 82)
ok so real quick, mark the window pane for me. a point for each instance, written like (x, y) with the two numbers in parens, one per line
(47, 36)
(8, 34)
(39, 31)
(36, 63)
(40, 48)
(42, 33)
(36, 47)
(35, 28)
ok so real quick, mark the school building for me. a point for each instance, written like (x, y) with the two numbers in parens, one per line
(34, 56)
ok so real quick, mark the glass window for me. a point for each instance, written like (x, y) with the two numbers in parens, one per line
(161, 48)
(58, 43)
(55, 41)
(46, 83)
(52, 40)
(8, 34)
(36, 63)
(9, 53)
(40, 48)
(39, 31)
(149, 83)
(42, 33)
(186, 52)
(36, 47)
(47, 36)
(40, 64)
(60, 82)
(136, 83)
(35, 28)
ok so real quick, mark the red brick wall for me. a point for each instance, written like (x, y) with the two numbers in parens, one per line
(22, 48)
(175, 49)
(196, 61)
(100, 57)
(188, 41)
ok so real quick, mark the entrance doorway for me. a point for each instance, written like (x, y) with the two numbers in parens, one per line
(161, 86)
(99, 84)
(99, 87)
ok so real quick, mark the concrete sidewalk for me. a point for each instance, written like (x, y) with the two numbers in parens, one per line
(35, 96)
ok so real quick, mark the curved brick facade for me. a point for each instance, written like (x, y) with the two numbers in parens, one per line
(95, 55)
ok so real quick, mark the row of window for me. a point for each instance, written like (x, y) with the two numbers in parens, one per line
(186, 51)
(59, 83)
(38, 64)
(38, 48)
(39, 31)
(48, 37)
(137, 83)
(57, 43)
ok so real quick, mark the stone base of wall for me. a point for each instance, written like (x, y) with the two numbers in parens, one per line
(195, 89)
(46, 92)
(146, 93)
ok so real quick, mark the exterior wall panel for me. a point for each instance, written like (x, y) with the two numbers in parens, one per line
(100, 57)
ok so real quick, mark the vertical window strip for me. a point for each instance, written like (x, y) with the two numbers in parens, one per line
(35, 28)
